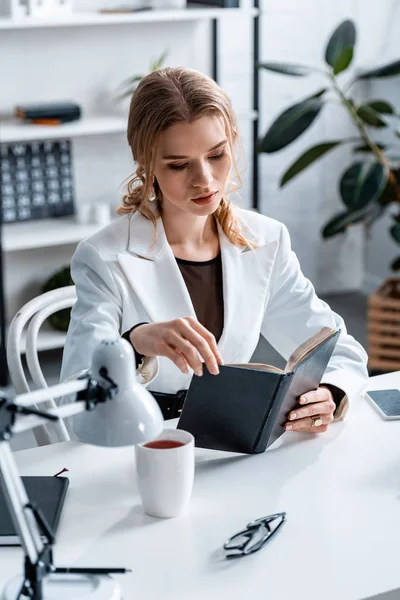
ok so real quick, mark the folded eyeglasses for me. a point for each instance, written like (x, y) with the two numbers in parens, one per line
(255, 536)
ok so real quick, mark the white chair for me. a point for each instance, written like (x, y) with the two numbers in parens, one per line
(33, 314)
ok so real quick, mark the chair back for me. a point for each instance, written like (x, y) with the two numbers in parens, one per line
(25, 326)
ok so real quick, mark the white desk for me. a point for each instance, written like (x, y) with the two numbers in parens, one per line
(341, 491)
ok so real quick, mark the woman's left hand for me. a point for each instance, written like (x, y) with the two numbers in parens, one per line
(314, 413)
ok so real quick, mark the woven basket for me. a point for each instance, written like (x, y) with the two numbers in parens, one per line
(384, 327)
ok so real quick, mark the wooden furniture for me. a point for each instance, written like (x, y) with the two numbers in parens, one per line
(340, 491)
(384, 327)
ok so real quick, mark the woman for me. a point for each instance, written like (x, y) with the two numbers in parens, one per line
(184, 275)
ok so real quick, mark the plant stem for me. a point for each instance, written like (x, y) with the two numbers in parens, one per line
(367, 138)
(360, 125)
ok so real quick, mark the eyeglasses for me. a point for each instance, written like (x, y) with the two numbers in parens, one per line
(255, 536)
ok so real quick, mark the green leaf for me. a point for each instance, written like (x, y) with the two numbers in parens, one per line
(370, 116)
(125, 94)
(343, 61)
(343, 39)
(366, 148)
(362, 184)
(306, 159)
(389, 195)
(132, 79)
(388, 70)
(157, 64)
(395, 232)
(395, 266)
(316, 95)
(341, 222)
(373, 212)
(290, 125)
(381, 106)
(286, 68)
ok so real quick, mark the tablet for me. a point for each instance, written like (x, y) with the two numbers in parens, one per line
(386, 403)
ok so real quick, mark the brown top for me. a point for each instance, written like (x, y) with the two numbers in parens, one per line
(204, 283)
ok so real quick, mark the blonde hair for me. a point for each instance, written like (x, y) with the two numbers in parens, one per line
(163, 98)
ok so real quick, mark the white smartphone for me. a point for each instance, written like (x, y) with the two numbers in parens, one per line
(386, 403)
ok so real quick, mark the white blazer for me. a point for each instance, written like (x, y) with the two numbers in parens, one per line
(121, 280)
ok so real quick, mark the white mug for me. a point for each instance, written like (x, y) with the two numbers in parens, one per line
(165, 475)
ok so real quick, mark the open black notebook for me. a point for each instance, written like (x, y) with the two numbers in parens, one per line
(244, 408)
(47, 492)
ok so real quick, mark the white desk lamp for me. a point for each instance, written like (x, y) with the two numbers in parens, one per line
(125, 412)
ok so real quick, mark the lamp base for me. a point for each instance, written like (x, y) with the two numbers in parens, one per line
(70, 587)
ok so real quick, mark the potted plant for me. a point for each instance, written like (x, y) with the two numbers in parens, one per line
(129, 85)
(368, 186)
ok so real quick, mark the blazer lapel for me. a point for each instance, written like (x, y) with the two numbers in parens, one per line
(156, 279)
(246, 274)
(153, 272)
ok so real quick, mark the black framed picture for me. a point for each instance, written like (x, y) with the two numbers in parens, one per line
(36, 180)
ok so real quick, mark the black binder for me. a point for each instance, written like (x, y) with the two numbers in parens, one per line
(47, 492)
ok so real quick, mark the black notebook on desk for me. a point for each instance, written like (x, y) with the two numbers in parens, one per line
(244, 408)
(47, 492)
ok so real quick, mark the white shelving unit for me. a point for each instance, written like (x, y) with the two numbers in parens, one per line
(84, 19)
(16, 131)
(29, 236)
(45, 233)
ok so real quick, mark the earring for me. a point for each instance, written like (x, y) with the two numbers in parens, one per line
(152, 196)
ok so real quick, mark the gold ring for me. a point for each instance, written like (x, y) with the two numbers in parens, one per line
(316, 421)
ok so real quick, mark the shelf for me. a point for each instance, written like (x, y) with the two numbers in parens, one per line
(16, 131)
(48, 339)
(80, 19)
(44, 233)
(252, 116)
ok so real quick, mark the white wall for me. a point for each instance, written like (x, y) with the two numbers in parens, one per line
(87, 64)
(381, 249)
(297, 31)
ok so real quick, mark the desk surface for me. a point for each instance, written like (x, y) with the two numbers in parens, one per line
(341, 492)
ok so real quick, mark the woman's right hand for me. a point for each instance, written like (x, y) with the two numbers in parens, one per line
(185, 341)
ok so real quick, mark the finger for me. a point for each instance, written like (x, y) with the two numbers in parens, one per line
(177, 359)
(312, 409)
(202, 346)
(208, 336)
(307, 423)
(320, 429)
(188, 351)
(319, 395)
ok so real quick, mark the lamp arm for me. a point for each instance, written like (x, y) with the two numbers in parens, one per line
(62, 412)
(89, 393)
(112, 364)
(25, 516)
(54, 391)
(17, 499)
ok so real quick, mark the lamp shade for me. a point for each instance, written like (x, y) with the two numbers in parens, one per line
(133, 415)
